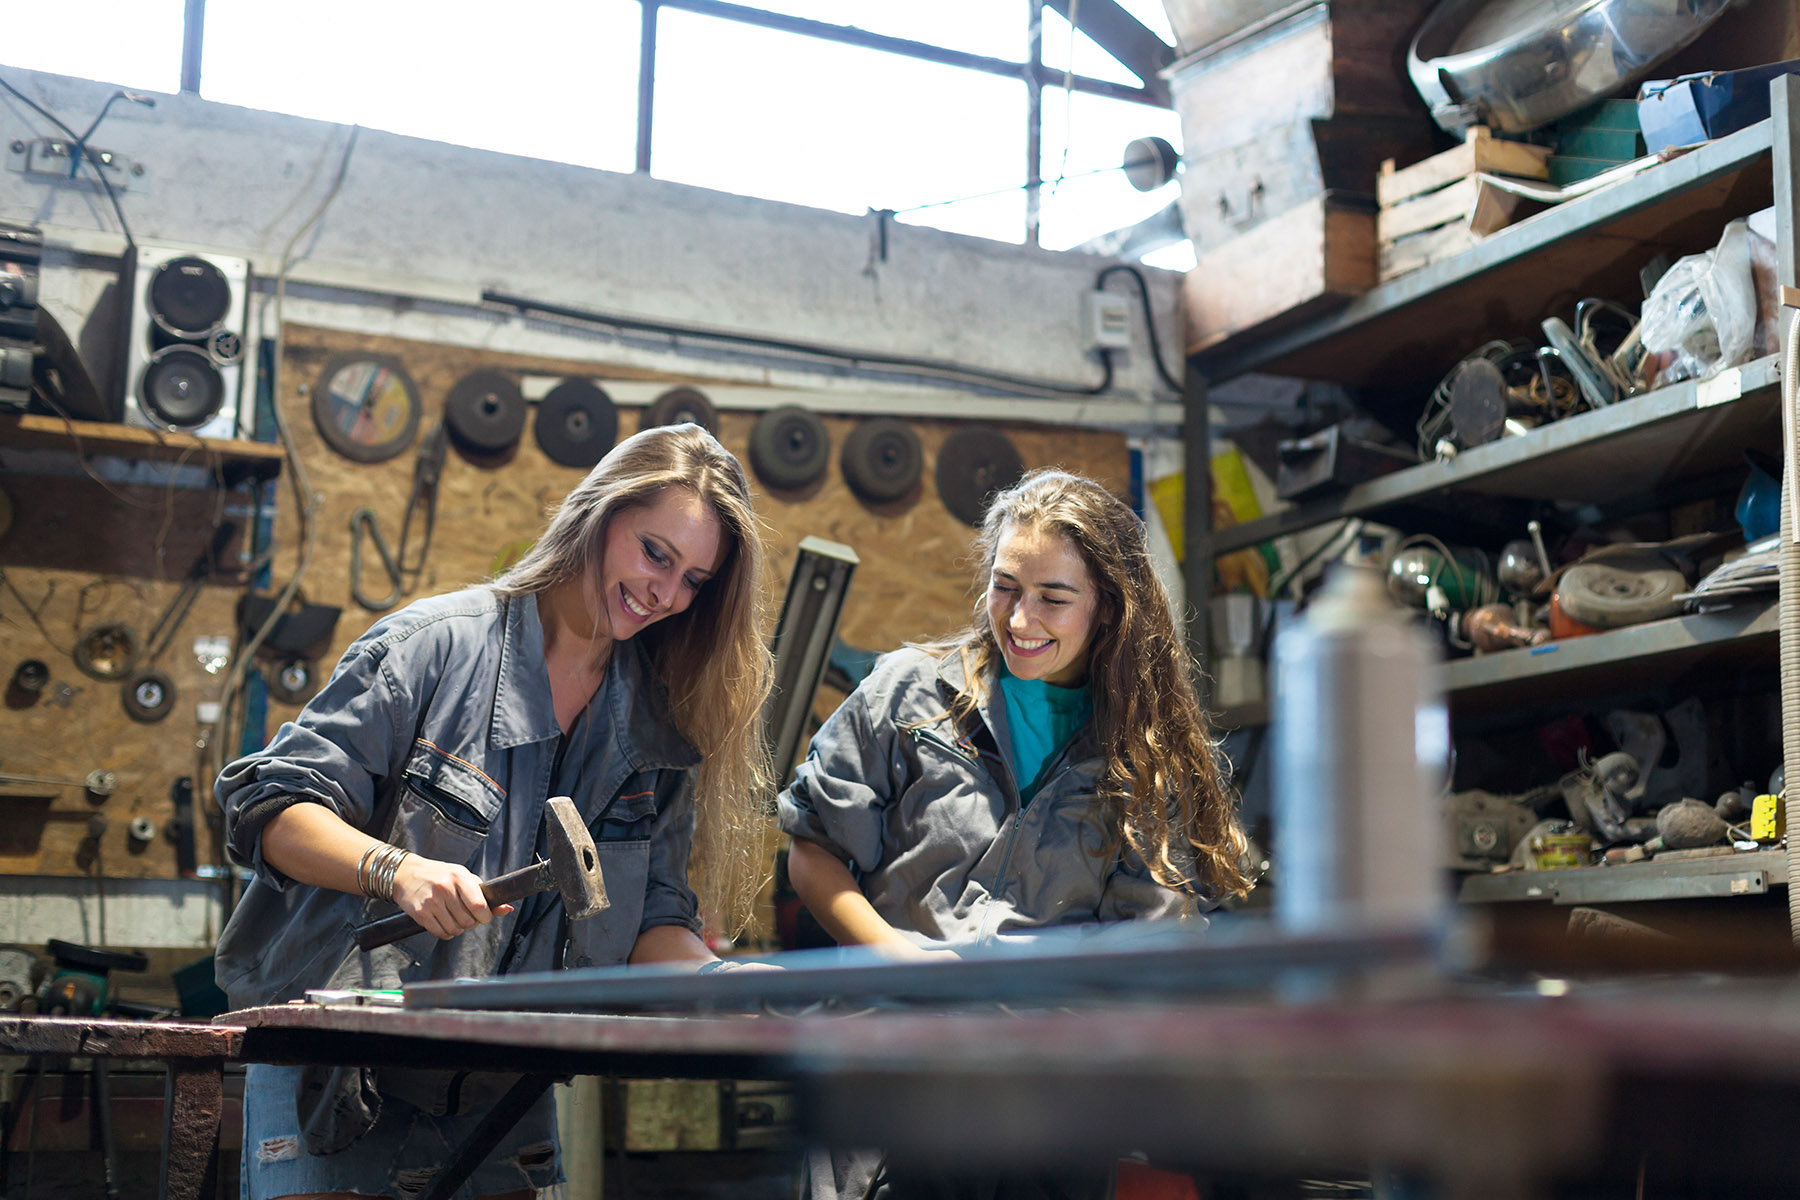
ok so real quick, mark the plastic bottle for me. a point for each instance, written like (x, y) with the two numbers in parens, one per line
(1361, 742)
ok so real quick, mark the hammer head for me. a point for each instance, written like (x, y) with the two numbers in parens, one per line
(574, 864)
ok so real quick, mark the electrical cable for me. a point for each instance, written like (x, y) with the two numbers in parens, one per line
(1143, 290)
(208, 747)
(79, 142)
(812, 349)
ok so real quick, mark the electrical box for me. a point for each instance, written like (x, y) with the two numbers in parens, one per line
(1109, 320)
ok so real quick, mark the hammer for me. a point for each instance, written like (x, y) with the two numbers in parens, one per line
(573, 869)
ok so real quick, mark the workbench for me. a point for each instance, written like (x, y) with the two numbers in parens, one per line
(1480, 1092)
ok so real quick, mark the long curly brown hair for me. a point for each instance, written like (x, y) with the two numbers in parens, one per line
(1164, 795)
(712, 658)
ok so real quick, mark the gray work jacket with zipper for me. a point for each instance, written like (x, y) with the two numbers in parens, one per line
(436, 732)
(928, 819)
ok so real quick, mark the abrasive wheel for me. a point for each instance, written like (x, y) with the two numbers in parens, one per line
(790, 448)
(681, 405)
(974, 464)
(882, 460)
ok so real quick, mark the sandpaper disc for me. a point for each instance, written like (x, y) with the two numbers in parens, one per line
(485, 413)
(974, 464)
(678, 405)
(882, 460)
(789, 447)
(576, 423)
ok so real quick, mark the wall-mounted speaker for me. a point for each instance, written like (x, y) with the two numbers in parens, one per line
(186, 342)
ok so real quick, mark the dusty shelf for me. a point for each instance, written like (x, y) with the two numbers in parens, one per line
(1627, 449)
(1407, 333)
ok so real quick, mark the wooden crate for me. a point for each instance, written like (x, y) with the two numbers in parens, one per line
(1441, 206)
(1311, 258)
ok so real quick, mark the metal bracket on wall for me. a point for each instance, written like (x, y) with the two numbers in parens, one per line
(62, 160)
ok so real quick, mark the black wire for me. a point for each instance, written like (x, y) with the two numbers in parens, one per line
(855, 357)
(1143, 290)
(79, 142)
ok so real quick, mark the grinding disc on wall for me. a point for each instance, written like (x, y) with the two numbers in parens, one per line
(882, 460)
(678, 405)
(789, 448)
(485, 413)
(576, 423)
(366, 406)
(974, 464)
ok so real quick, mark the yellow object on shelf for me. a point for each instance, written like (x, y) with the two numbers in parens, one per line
(1233, 502)
(1767, 820)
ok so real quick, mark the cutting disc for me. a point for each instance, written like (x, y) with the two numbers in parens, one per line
(882, 460)
(975, 463)
(366, 406)
(681, 404)
(576, 423)
(485, 413)
(789, 447)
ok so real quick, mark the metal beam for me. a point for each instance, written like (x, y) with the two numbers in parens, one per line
(1034, 123)
(1124, 37)
(646, 107)
(193, 40)
(925, 51)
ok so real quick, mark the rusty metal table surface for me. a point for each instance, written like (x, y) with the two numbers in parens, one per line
(194, 1095)
(1486, 1093)
(1492, 1092)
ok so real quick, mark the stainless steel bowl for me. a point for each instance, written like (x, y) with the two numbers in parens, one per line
(1513, 65)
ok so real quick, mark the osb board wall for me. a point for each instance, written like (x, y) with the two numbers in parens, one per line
(80, 554)
(913, 582)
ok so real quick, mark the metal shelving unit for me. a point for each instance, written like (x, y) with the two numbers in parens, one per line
(1405, 335)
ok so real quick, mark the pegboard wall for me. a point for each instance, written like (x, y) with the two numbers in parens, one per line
(81, 553)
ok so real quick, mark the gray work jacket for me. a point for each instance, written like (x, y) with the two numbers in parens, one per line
(436, 732)
(927, 816)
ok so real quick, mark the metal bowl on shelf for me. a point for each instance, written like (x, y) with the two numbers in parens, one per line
(1514, 65)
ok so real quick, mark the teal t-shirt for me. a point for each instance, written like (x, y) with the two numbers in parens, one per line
(1041, 718)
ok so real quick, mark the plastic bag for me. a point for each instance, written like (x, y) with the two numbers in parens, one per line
(1702, 312)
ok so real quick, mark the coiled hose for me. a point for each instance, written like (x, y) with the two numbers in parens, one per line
(1788, 561)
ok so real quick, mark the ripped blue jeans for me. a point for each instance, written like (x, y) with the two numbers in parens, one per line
(399, 1157)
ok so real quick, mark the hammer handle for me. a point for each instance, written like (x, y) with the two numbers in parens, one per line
(515, 885)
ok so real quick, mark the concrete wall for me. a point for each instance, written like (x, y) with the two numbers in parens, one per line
(419, 227)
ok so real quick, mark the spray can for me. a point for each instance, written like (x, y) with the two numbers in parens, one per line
(1361, 742)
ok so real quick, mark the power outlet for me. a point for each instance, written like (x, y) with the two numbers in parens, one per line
(1108, 320)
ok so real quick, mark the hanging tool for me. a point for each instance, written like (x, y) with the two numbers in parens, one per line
(428, 469)
(149, 694)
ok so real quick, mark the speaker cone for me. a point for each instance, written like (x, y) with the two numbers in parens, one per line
(189, 297)
(182, 386)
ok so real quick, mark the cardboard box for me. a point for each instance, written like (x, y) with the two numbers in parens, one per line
(1698, 108)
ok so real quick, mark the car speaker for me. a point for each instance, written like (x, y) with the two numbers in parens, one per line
(185, 342)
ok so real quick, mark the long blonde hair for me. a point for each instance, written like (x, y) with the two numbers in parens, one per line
(1162, 788)
(712, 658)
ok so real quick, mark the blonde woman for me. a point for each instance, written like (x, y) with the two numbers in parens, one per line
(620, 663)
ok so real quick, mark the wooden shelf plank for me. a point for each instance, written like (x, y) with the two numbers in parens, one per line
(33, 431)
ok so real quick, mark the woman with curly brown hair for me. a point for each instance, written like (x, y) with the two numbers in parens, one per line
(1048, 766)
(621, 663)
